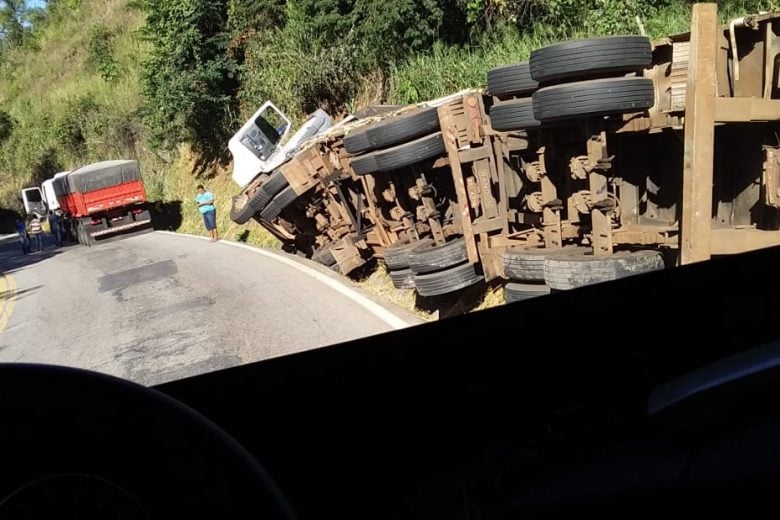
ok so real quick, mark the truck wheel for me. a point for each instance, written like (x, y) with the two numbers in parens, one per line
(516, 114)
(80, 233)
(240, 210)
(268, 190)
(278, 204)
(357, 142)
(245, 206)
(393, 131)
(447, 281)
(511, 80)
(85, 238)
(517, 292)
(428, 257)
(403, 128)
(397, 254)
(571, 271)
(365, 164)
(402, 279)
(580, 59)
(593, 98)
(527, 265)
(410, 153)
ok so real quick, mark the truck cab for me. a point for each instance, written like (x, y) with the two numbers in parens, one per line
(49, 193)
(32, 199)
(264, 143)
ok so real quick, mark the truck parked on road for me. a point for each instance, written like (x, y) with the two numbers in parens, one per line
(97, 200)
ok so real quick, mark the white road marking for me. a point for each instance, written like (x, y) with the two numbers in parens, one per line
(374, 308)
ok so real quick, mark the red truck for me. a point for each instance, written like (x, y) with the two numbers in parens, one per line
(102, 199)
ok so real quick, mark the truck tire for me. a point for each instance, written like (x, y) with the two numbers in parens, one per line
(402, 279)
(278, 204)
(357, 142)
(241, 210)
(404, 128)
(268, 190)
(429, 258)
(516, 114)
(572, 271)
(365, 164)
(393, 131)
(527, 265)
(410, 153)
(581, 59)
(511, 80)
(593, 98)
(80, 233)
(517, 292)
(447, 281)
(397, 254)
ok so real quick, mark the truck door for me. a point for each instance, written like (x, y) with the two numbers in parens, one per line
(32, 198)
(49, 196)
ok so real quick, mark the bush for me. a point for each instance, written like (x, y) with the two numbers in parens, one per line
(72, 126)
(6, 126)
(99, 52)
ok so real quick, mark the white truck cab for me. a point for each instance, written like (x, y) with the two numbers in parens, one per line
(49, 195)
(262, 143)
(32, 199)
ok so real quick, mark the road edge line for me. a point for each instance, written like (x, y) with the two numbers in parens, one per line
(391, 319)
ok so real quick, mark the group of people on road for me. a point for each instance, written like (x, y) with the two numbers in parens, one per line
(30, 231)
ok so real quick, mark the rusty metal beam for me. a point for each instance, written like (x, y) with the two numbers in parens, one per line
(743, 110)
(449, 133)
(696, 223)
(734, 241)
(474, 154)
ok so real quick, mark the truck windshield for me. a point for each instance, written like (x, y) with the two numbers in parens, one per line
(33, 195)
(271, 125)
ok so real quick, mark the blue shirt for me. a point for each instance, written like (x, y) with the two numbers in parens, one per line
(205, 197)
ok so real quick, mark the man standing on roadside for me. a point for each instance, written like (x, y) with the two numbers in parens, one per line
(21, 230)
(36, 232)
(205, 201)
(55, 227)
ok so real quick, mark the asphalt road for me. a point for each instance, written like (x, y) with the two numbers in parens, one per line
(158, 307)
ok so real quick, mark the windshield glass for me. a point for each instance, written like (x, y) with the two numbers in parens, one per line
(271, 124)
(33, 195)
(250, 181)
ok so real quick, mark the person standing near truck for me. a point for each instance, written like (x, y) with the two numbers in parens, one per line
(205, 201)
(24, 239)
(36, 232)
(55, 227)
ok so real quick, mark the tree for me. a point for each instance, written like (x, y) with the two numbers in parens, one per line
(12, 21)
(189, 79)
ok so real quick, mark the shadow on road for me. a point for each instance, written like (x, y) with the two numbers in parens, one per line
(166, 216)
(12, 259)
(19, 293)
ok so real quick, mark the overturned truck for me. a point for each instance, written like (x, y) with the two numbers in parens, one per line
(597, 159)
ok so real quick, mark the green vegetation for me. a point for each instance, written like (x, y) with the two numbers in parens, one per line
(167, 81)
